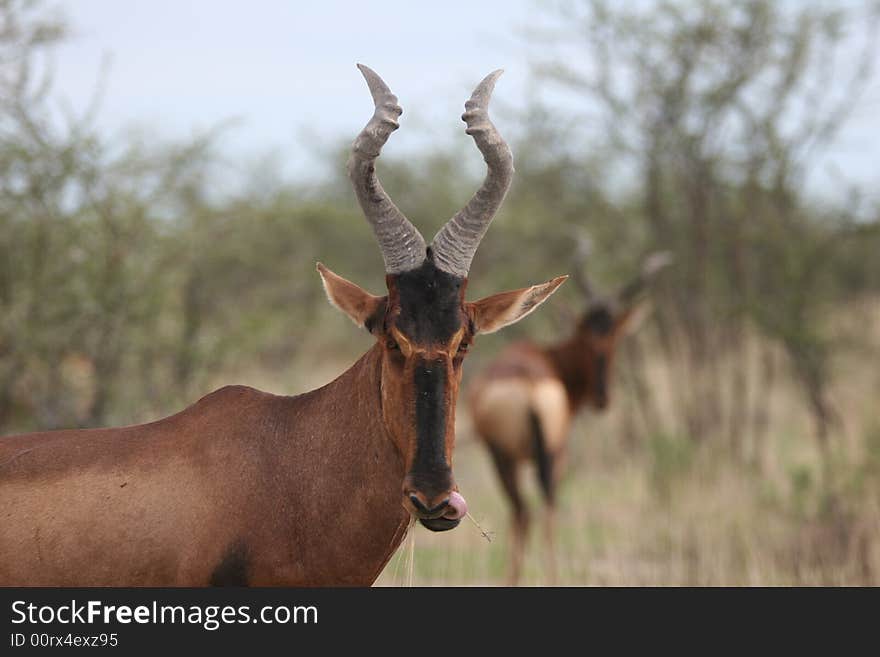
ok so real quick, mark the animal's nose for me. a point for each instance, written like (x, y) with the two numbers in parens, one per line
(425, 507)
(438, 516)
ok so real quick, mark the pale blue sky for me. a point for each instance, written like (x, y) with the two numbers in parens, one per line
(287, 69)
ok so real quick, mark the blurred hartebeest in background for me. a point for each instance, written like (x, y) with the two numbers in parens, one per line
(524, 402)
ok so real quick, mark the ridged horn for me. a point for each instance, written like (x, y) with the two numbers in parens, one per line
(651, 266)
(456, 243)
(403, 247)
(583, 250)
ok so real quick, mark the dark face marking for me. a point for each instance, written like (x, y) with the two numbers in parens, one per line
(598, 319)
(430, 472)
(232, 569)
(596, 330)
(424, 328)
(430, 303)
(600, 380)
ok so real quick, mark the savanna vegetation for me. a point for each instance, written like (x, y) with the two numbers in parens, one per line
(743, 441)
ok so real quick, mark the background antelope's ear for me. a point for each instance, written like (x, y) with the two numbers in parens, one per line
(364, 309)
(633, 292)
(629, 320)
(633, 306)
(505, 308)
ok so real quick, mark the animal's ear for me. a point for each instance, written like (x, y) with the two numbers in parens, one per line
(630, 319)
(505, 308)
(363, 308)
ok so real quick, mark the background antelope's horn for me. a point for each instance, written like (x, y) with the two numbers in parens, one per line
(456, 243)
(582, 252)
(403, 247)
(651, 266)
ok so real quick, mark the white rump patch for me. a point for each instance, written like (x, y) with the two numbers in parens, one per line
(501, 414)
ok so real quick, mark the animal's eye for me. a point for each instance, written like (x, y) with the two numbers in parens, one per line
(463, 347)
(391, 345)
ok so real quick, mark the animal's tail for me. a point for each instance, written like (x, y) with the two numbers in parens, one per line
(542, 456)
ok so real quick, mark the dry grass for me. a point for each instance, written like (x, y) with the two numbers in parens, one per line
(714, 524)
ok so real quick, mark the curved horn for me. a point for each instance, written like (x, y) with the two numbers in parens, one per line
(579, 269)
(650, 268)
(456, 243)
(403, 247)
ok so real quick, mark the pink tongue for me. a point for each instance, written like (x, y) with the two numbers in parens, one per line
(457, 508)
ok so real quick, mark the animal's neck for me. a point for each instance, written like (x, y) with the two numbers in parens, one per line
(344, 466)
(568, 359)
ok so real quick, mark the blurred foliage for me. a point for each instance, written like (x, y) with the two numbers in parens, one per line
(670, 459)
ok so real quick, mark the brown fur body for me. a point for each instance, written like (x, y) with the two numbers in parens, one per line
(232, 490)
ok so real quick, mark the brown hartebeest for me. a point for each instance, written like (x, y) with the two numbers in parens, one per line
(246, 487)
(523, 403)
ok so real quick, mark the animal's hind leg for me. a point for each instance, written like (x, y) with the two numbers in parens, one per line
(550, 543)
(547, 467)
(507, 473)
